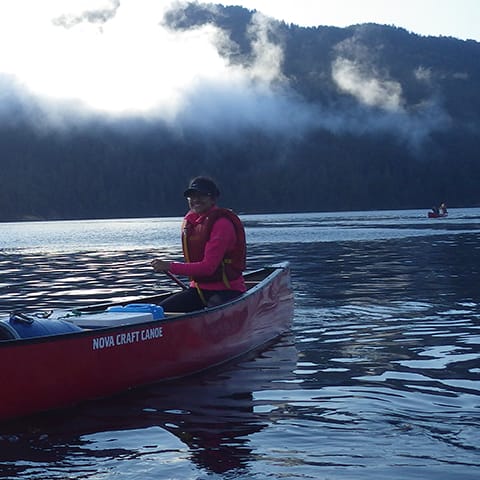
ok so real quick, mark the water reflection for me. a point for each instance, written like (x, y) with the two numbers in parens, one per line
(82, 278)
(422, 269)
(206, 419)
(405, 364)
(385, 384)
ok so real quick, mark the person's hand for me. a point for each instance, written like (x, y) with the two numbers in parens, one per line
(160, 265)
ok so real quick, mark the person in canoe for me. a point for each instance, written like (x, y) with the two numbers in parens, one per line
(214, 249)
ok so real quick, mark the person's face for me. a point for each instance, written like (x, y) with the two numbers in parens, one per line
(200, 203)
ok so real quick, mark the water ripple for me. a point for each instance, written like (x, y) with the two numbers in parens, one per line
(379, 378)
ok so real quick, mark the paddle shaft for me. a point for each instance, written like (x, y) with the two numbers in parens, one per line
(176, 280)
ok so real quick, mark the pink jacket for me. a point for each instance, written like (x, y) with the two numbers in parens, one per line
(222, 239)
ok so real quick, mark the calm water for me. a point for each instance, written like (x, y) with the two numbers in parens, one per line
(379, 378)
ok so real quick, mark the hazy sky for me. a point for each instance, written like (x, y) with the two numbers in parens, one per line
(456, 18)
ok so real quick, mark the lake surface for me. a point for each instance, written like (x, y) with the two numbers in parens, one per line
(378, 379)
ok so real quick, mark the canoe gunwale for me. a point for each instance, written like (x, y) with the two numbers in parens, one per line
(168, 318)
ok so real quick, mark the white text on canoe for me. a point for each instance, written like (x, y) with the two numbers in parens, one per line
(126, 338)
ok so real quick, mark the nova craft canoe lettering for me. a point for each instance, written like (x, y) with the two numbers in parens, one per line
(108, 341)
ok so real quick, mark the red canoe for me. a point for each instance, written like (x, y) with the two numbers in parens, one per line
(73, 356)
(437, 215)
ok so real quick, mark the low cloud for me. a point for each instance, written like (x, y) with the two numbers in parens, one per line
(366, 87)
(97, 15)
(117, 60)
(381, 103)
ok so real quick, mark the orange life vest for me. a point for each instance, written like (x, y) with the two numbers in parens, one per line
(196, 235)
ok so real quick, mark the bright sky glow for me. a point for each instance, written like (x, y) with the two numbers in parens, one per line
(123, 65)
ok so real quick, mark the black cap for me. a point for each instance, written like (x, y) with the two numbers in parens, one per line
(203, 186)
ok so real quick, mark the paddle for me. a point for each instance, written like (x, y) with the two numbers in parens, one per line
(176, 280)
(164, 265)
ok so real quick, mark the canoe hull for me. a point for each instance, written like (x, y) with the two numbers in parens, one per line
(436, 215)
(57, 371)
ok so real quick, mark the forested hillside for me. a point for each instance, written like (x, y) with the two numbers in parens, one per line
(364, 117)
